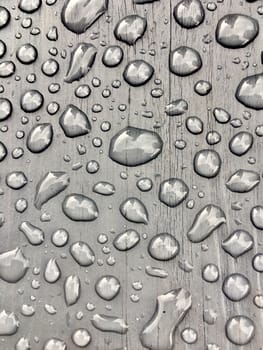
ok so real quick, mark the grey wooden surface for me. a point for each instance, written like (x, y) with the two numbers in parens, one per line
(130, 266)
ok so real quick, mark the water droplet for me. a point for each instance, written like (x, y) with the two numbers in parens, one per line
(112, 56)
(31, 101)
(4, 17)
(210, 273)
(40, 137)
(221, 115)
(189, 335)
(81, 61)
(236, 287)
(13, 265)
(60, 237)
(107, 323)
(82, 253)
(207, 163)
(81, 337)
(138, 72)
(3, 151)
(133, 146)
(235, 31)
(7, 69)
(52, 271)
(156, 272)
(173, 191)
(144, 184)
(249, 91)
(256, 216)
(104, 188)
(206, 221)
(130, 28)
(203, 87)
(55, 344)
(176, 107)
(241, 143)
(9, 323)
(107, 287)
(74, 122)
(194, 125)
(126, 240)
(240, 330)
(184, 61)
(238, 243)
(134, 210)
(171, 308)
(78, 16)
(72, 289)
(27, 54)
(78, 207)
(189, 13)
(29, 6)
(16, 180)
(243, 181)
(163, 247)
(23, 344)
(34, 234)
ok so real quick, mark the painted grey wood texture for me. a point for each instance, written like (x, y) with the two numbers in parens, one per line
(162, 34)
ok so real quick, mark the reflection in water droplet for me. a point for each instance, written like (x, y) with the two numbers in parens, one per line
(163, 247)
(234, 31)
(238, 243)
(55, 344)
(13, 265)
(138, 72)
(107, 287)
(74, 122)
(107, 323)
(78, 207)
(50, 186)
(126, 240)
(78, 15)
(236, 287)
(207, 163)
(171, 308)
(134, 210)
(240, 330)
(130, 28)
(173, 191)
(81, 61)
(206, 221)
(189, 13)
(133, 146)
(184, 61)
(82, 253)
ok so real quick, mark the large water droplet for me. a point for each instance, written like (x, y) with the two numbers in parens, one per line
(112, 56)
(108, 287)
(238, 243)
(241, 143)
(40, 137)
(29, 6)
(130, 29)
(78, 207)
(236, 287)
(107, 323)
(13, 265)
(133, 146)
(206, 221)
(171, 308)
(74, 122)
(79, 15)
(31, 101)
(249, 91)
(138, 72)
(189, 13)
(243, 181)
(126, 240)
(82, 253)
(134, 210)
(163, 247)
(184, 61)
(9, 323)
(81, 337)
(207, 163)
(173, 191)
(81, 61)
(235, 30)
(240, 330)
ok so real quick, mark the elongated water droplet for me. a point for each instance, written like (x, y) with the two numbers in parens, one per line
(156, 272)
(206, 221)
(50, 186)
(104, 188)
(107, 323)
(243, 181)
(78, 16)
(81, 61)
(52, 271)
(72, 289)
(256, 216)
(34, 234)
(40, 137)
